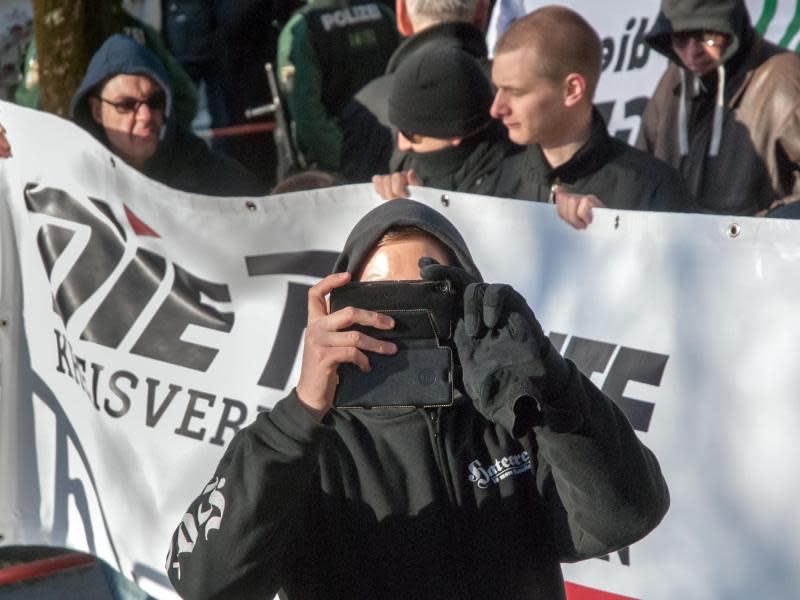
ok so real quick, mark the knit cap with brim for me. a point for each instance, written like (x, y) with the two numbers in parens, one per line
(440, 92)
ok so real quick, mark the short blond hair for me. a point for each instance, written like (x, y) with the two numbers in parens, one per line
(564, 41)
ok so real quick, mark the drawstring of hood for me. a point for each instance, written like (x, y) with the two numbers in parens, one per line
(719, 112)
(683, 120)
(719, 107)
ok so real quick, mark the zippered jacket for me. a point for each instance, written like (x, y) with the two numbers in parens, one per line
(619, 175)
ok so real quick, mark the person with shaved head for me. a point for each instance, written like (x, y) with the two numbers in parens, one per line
(546, 70)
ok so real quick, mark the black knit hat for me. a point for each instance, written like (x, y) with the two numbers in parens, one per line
(440, 92)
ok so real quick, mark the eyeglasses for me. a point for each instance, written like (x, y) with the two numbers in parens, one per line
(127, 105)
(701, 36)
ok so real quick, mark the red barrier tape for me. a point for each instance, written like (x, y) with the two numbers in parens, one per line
(578, 592)
(44, 567)
(234, 130)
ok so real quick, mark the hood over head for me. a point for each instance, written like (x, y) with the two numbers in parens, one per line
(119, 55)
(399, 213)
(729, 17)
(725, 16)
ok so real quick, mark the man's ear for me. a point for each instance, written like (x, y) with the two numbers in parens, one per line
(97, 109)
(574, 89)
(404, 24)
(481, 17)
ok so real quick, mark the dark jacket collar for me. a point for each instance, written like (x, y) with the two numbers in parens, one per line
(461, 35)
(589, 158)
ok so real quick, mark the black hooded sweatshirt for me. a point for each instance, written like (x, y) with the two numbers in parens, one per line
(182, 160)
(418, 503)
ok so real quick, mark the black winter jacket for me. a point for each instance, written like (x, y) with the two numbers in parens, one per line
(619, 175)
(419, 503)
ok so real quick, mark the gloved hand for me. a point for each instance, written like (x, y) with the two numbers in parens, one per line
(502, 349)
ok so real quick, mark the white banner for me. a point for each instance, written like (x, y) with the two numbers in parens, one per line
(148, 325)
(631, 70)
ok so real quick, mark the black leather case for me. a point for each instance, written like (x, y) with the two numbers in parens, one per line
(420, 374)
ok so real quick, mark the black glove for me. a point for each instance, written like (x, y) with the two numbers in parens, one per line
(502, 349)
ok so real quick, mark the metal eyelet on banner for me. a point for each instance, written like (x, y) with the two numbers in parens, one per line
(3, 322)
(445, 199)
(734, 229)
(250, 205)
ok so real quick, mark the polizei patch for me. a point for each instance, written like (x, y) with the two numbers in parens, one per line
(353, 15)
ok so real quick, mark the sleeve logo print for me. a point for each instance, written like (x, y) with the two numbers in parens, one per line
(209, 517)
(507, 466)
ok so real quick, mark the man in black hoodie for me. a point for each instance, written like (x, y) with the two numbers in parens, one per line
(530, 465)
(725, 113)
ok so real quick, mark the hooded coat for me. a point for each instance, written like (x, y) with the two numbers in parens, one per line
(418, 502)
(182, 160)
(734, 134)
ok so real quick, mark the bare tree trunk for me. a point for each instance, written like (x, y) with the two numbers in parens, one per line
(67, 34)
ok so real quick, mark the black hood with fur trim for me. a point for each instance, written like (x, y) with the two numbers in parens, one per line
(400, 213)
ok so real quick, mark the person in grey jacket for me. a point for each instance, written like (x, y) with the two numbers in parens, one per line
(530, 465)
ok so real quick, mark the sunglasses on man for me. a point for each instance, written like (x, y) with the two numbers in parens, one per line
(701, 36)
(128, 104)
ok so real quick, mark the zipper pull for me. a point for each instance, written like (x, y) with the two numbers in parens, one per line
(551, 199)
